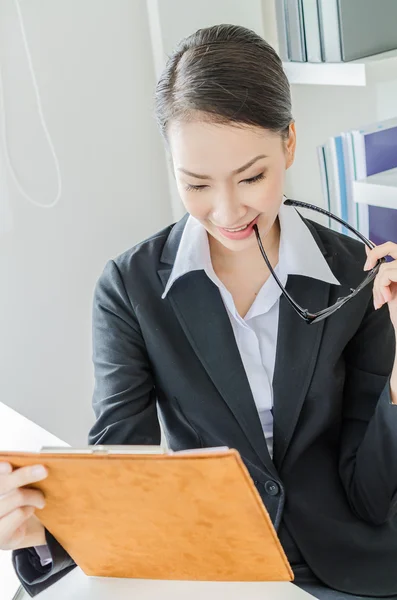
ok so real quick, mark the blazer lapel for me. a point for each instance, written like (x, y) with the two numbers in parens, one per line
(297, 348)
(204, 319)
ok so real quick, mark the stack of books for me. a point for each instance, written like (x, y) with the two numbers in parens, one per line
(355, 155)
(335, 30)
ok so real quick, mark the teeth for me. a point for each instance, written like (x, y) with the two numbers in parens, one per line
(240, 229)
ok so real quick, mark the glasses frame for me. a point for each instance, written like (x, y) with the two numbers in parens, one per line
(304, 313)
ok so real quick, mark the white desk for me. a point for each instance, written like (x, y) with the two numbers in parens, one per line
(79, 587)
(18, 433)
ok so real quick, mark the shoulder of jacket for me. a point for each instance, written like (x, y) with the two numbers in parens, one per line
(144, 253)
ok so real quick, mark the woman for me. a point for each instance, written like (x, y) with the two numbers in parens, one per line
(192, 321)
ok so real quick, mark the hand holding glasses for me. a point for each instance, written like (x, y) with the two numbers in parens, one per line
(326, 312)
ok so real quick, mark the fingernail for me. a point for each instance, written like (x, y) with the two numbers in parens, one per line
(5, 468)
(376, 305)
(366, 266)
(39, 472)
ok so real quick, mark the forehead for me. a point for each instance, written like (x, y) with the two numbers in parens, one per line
(202, 146)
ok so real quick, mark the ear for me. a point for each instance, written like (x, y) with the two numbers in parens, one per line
(290, 146)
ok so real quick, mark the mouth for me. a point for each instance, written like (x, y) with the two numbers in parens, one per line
(239, 233)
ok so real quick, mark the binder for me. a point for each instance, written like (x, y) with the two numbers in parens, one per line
(375, 151)
(344, 210)
(355, 155)
(354, 29)
(335, 30)
(333, 183)
(295, 31)
(360, 172)
(179, 516)
(281, 23)
(312, 31)
(330, 32)
(367, 27)
(348, 160)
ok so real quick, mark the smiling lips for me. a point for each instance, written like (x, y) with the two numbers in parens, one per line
(240, 233)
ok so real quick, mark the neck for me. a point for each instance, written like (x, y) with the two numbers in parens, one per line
(227, 260)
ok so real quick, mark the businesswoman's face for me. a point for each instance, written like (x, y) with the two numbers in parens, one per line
(230, 177)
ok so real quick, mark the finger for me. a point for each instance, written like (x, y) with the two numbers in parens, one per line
(387, 294)
(379, 298)
(386, 276)
(21, 477)
(387, 249)
(10, 524)
(21, 497)
(16, 540)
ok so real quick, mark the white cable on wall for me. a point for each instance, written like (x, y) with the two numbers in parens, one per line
(42, 120)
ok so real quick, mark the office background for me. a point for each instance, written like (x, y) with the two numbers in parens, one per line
(96, 63)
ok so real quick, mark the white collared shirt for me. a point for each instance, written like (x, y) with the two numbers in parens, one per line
(256, 333)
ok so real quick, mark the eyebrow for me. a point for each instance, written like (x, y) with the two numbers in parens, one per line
(235, 172)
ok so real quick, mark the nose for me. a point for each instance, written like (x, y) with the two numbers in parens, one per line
(227, 211)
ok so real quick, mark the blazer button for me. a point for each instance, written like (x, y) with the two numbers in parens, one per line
(272, 488)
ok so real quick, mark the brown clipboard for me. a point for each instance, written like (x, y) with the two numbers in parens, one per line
(195, 516)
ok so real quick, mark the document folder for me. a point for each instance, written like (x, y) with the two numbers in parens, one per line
(193, 516)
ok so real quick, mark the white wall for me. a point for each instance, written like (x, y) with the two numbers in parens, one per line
(95, 70)
(180, 18)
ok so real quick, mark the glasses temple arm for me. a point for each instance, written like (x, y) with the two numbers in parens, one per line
(298, 203)
(280, 285)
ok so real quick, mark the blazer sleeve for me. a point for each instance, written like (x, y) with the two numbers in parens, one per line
(368, 452)
(35, 577)
(124, 396)
(124, 404)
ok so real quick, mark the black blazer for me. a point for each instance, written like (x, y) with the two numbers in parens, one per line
(331, 487)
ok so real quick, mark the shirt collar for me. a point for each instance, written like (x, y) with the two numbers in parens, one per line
(299, 252)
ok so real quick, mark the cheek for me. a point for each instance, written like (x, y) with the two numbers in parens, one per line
(195, 203)
(277, 176)
(268, 191)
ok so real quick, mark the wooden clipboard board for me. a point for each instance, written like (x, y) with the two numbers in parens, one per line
(193, 516)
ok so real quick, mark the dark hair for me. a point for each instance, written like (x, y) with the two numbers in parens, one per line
(228, 73)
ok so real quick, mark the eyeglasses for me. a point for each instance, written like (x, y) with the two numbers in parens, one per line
(326, 312)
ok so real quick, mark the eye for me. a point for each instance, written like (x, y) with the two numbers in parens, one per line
(195, 188)
(254, 179)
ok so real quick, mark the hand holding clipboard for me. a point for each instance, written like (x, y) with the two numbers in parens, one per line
(19, 527)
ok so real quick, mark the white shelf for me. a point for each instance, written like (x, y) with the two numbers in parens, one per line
(377, 190)
(380, 67)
